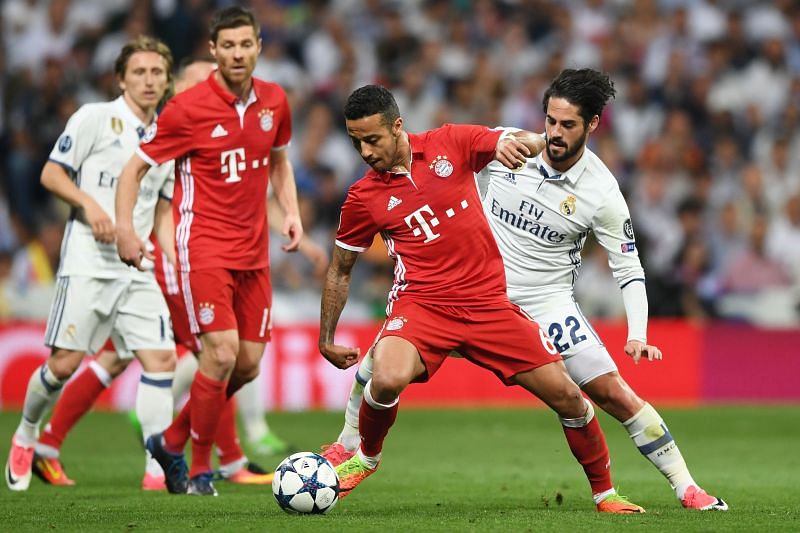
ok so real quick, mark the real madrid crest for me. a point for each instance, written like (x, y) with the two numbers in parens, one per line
(265, 119)
(567, 207)
(116, 125)
(441, 166)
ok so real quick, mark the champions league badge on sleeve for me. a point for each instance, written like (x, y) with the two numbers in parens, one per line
(64, 144)
(150, 133)
(627, 228)
(441, 166)
(265, 119)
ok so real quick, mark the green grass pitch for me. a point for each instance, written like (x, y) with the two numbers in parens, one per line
(443, 470)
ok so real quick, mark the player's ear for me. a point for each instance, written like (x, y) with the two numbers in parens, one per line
(593, 123)
(397, 126)
(212, 48)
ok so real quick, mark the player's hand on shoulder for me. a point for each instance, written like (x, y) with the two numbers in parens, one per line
(131, 249)
(637, 349)
(293, 230)
(99, 221)
(340, 356)
(511, 152)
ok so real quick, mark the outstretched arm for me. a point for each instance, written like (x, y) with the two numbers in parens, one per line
(515, 147)
(334, 296)
(130, 247)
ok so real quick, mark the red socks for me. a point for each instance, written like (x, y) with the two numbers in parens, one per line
(588, 445)
(176, 435)
(374, 425)
(207, 398)
(227, 439)
(76, 400)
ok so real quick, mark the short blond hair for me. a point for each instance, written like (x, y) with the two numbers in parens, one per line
(143, 43)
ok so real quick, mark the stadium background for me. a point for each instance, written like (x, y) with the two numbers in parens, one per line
(703, 138)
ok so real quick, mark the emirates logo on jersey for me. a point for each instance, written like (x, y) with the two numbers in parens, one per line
(441, 166)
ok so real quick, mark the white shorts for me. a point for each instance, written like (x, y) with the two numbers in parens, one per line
(583, 352)
(87, 311)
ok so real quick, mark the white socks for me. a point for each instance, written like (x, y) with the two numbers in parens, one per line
(184, 374)
(653, 439)
(349, 437)
(253, 412)
(154, 409)
(43, 390)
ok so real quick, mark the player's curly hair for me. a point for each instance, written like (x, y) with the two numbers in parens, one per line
(232, 17)
(370, 100)
(586, 88)
(143, 43)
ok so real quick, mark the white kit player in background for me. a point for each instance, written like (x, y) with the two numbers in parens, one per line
(540, 216)
(97, 295)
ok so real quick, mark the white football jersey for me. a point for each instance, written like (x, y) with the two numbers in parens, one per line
(541, 218)
(98, 141)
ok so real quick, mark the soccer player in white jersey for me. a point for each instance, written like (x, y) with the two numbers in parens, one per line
(540, 216)
(97, 295)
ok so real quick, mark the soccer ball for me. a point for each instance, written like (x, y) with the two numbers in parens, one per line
(306, 483)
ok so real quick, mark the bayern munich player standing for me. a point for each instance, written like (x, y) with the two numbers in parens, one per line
(98, 296)
(449, 291)
(228, 136)
(85, 387)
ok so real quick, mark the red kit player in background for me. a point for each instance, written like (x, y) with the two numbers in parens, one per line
(449, 290)
(228, 135)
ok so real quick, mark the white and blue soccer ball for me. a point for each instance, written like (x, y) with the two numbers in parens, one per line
(306, 483)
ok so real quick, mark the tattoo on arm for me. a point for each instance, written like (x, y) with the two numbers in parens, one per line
(334, 294)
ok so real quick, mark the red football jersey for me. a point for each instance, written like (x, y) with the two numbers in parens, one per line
(221, 148)
(431, 220)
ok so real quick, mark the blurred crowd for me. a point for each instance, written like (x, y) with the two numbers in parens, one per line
(703, 134)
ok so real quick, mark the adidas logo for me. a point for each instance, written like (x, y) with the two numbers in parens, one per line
(219, 131)
(393, 202)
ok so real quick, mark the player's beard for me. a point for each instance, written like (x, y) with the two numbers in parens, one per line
(569, 150)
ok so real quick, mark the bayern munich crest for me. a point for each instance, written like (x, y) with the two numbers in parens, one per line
(265, 119)
(441, 166)
(206, 313)
(395, 324)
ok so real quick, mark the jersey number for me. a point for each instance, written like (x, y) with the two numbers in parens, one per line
(557, 332)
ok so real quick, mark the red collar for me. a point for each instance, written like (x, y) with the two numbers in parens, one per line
(225, 94)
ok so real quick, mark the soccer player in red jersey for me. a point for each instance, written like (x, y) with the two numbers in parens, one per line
(449, 290)
(228, 136)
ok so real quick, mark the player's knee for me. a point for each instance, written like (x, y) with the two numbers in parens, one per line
(386, 386)
(64, 363)
(567, 401)
(247, 374)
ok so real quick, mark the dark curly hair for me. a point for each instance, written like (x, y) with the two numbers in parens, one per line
(586, 88)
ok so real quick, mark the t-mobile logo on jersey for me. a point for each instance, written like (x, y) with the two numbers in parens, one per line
(232, 162)
(426, 226)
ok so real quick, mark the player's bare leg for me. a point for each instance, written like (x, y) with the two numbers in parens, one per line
(43, 389)
(552, 384)
(396, 364)
(651, 436)
(233, 462)
(76, 400)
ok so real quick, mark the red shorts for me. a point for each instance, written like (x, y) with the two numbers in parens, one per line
(218, 299)
(167, 278)
(500, 338)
